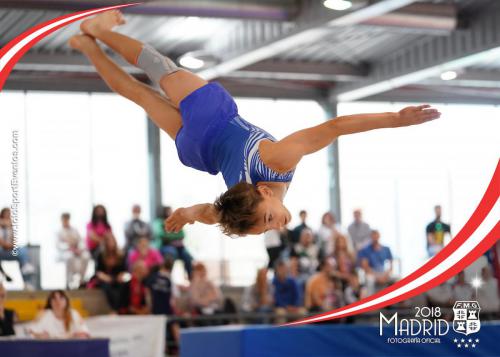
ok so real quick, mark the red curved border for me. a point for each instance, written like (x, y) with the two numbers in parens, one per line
(12, 62)
(488, 201)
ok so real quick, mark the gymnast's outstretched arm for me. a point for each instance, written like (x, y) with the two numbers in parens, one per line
(285, 154)
(203, 213)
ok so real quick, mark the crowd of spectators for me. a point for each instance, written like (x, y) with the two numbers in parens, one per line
(308, 271)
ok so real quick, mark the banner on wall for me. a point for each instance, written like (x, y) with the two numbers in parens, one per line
(131, 336)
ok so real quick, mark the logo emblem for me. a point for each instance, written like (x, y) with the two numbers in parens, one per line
(466, 317)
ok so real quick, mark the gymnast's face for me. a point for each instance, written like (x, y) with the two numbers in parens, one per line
(271, 213)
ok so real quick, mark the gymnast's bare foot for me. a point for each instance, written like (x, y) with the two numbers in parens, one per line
(82, 43)
(102, 22)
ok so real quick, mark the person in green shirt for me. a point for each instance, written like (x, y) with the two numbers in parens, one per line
(171, 244)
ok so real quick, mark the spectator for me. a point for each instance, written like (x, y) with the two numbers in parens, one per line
(70, 247)
(307, 253)
(359, 231)
(172, 243)
(134, 296)
(274, 246)
(9, 251)
(354, 291)
(320, 292)
(286, 292)
(441, 295)
(461, 289)
(98, 229)
(145, 252)
(328, 233)
(204, 297)
(376, 261)
(296, 232)
(259, 296)
(135, 228)
(162, 291)
(111, 273)
(59, 320)
(344, 257)
(487, 295)
(6, 316)
(436, 231)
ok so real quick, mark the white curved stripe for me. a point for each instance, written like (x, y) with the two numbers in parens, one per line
(484, 228)
(12, 52)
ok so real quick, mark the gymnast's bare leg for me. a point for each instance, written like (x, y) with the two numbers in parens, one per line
(177, 84)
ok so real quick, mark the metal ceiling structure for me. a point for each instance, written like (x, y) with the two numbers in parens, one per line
(391, 50)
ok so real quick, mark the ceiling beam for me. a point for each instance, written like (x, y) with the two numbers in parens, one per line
(91, 82)
(429, 58)
(252, 43)
(467, 79)
(424, 94)
(271, 10)
(305, 71)
(279, 70)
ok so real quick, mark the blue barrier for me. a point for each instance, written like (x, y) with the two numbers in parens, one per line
(327, 340)
(95, 347)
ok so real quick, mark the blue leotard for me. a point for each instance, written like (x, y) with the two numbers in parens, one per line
(214, 138)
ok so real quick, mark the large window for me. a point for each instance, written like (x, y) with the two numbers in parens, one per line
(80, 150)
(309, 190)
(398, 175)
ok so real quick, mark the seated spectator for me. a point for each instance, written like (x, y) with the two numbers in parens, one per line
(487, 295)
(6, 316)
(59, 320)
(307, 253)
(258, 297)
(135, 228)
(359, 231)
(9, 252)
(345, 260)
(97, 230)
(286, 292)
(461, 289)
(145, 252)
(134, 297)
(70, 247)
(161, 292)
(204, 296)
(111, 273)
(441, 295)
(376, 261)
(328, 233)
(320, 292)
(171, 243)
(354, 291)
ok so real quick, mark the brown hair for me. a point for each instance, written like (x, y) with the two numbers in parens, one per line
(67, 309)
(236, 208)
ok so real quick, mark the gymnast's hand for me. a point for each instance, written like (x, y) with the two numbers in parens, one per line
(179, 219)
(416, 115)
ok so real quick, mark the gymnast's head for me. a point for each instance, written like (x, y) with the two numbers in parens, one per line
(246, 209)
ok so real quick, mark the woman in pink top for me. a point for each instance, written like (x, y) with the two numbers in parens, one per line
(144, 251)
(97, 229)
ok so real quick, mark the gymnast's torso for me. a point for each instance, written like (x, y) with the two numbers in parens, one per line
(214, 138)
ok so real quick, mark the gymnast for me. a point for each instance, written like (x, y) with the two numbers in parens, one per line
(203, 120)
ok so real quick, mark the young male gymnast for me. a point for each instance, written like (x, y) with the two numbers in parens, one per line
(210, 136)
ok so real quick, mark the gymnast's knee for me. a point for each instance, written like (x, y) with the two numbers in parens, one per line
(155, 64)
